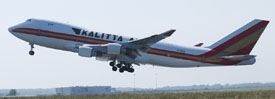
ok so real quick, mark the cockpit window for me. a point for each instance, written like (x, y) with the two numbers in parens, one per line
(29, 20)
(50, 24)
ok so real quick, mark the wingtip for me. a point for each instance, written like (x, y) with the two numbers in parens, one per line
(169, 32)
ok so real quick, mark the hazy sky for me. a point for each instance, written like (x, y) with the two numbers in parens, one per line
(196, 21)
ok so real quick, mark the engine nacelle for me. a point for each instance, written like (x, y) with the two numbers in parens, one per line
(87, 51)
(114, 49)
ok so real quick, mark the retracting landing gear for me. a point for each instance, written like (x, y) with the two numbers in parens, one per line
(131, 70)
(31, 52)
(129, 67)
(121, 66)
(113, 65)
(114, 68)
(121, 70)
(118, 65)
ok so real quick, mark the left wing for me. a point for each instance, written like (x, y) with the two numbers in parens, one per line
(145, 43)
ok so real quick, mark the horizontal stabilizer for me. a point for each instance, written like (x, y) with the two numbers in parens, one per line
(238, 57)
(199, 45)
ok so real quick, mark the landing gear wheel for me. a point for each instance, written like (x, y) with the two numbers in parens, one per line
(112, 64)
(121, 70)
(31, 52)
(131, 70)
(114, 68)
(118, 65)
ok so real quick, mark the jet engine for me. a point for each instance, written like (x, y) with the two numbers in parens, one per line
(87, 52)
(117, 49)
(114, 49)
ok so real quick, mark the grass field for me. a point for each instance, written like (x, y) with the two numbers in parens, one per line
(264, 94)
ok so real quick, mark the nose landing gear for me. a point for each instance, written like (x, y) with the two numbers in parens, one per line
(31, 52)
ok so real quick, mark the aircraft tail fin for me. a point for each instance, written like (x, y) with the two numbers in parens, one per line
(241, 41)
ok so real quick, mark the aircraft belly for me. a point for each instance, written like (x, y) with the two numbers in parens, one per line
(173, 62)
(143, 59)
(56, 43)
(25, 37)
(46, 41)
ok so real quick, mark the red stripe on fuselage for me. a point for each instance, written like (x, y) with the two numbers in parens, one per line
(78, 36)
(56, 33)
(197, 60)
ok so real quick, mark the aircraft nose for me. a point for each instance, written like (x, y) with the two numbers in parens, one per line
(11, 28)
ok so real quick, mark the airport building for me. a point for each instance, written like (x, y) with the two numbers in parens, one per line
(79, 90)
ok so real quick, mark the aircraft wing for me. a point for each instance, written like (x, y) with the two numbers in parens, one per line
(126, 52)
(145, 43)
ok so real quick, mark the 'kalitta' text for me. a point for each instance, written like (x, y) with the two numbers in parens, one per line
(98, 35)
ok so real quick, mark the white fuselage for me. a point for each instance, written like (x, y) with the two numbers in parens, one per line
(61, 36)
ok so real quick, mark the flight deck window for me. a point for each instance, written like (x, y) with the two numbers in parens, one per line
(50, 24)
(29, 20)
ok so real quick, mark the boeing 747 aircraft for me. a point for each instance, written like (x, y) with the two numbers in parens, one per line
(123, 52)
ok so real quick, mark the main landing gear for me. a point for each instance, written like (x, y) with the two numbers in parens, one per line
(122, 66)
(31, 52)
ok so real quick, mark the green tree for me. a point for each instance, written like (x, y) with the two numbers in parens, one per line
(12, 92)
